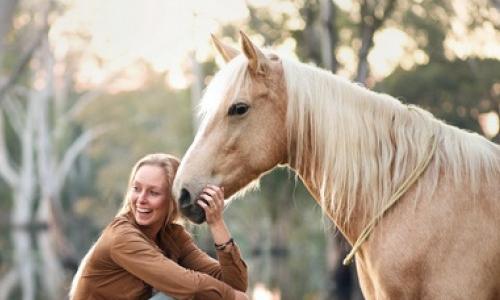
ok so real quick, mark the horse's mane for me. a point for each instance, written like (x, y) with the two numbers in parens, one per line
(361, 145)
(357, 145)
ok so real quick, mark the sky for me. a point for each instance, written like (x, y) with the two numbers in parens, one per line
(165, 33)
(160, 33)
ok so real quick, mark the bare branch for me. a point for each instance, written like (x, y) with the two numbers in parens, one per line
(44, 143)
(82, 102)
(7, 10)
(6, 171)
(15, 114)
(27, 147)
(86, 98)
(23, 62)
(73, 151)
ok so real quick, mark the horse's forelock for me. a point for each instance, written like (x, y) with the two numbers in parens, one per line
(225, 83)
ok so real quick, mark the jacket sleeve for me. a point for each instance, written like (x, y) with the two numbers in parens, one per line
(230, 267)
(133, 252)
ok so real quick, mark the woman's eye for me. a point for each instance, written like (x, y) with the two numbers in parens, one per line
(238, 109)
(135, 189)
(153, 193)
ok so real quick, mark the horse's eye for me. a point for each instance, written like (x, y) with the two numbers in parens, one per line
(238, 109)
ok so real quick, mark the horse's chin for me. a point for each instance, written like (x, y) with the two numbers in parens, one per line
(194, 213)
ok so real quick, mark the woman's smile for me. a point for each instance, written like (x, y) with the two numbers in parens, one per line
(143, 213)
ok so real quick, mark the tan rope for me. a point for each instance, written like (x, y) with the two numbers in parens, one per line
(395, 197)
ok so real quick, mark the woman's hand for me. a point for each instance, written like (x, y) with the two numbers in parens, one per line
(212, 201)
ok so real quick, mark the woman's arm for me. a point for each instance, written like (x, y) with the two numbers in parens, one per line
(132, 251)
(230, 268)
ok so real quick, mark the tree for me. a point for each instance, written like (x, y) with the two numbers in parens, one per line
(455, 91)
(373, 14)
(36, 182)
(7, 9)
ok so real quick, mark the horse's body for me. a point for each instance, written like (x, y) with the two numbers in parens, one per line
(446, 247)
(353, 149)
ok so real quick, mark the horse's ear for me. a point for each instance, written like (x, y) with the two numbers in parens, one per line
(257, 61)
(226, 51)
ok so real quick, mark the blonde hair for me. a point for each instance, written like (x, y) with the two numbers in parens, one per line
(169, 164)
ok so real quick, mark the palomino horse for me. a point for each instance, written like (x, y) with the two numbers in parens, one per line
(358, 152)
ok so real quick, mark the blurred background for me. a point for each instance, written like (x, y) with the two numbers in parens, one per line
(87, 87)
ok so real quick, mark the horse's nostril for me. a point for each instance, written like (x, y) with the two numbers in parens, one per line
(185, 199)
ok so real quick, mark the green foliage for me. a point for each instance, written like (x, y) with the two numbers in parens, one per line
(428, 23)
(149, 120)
(455, 91)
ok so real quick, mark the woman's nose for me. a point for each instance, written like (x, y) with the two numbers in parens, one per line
(142, 197)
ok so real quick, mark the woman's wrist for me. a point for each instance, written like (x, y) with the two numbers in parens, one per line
(220, 233)
(223, 246)
(217, 224)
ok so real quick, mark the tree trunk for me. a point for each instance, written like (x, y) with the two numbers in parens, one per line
(25, 261)
(34, 126)
(366, 44)
(280, 232)
(7, 9)
(50, 262)
(23, 195)
(7, 283)
(368, 26)
(328, 35)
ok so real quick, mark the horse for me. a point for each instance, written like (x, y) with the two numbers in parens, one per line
(418, 199)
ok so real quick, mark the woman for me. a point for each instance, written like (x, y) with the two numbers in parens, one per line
(144, 249)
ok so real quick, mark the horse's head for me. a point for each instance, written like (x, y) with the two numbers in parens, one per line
(243, 131)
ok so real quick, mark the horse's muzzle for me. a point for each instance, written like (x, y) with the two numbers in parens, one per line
(190, 210)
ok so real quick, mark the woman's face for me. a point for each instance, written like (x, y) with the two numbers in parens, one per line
(149, 196)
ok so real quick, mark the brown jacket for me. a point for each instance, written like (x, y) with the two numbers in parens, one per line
(126, 264)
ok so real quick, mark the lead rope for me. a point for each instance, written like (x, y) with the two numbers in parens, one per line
(395, 197)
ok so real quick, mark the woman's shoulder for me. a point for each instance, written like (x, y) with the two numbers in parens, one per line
(121, 227)
(114, 232)
(121, 220)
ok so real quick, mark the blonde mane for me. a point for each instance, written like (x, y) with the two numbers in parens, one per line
(357, 145)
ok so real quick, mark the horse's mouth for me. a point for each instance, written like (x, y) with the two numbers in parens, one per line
(189, 208)
(194, 213)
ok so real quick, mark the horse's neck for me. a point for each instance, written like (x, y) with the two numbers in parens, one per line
(308, 164)
(355, 225)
